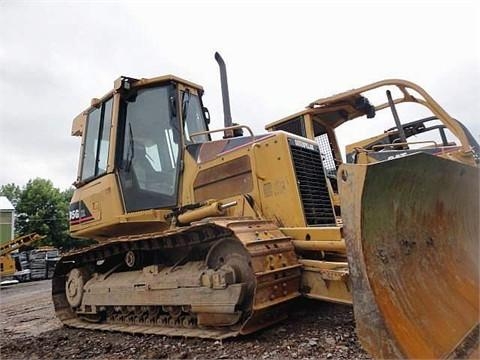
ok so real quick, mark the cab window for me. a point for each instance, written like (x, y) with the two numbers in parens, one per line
(96, 143)
(194, 119)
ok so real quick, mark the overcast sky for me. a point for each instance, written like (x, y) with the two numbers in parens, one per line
(56, 55)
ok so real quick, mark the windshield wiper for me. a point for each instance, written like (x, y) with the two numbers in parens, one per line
(131, 149)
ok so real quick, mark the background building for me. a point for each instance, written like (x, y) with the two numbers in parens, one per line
(7, 220)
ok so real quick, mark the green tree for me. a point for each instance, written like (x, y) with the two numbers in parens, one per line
(42, 208)
(67, 194)
(12, 192)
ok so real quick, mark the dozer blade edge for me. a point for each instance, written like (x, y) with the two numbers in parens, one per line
(412, 236)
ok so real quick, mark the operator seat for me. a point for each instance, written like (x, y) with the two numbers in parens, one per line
(142, 167)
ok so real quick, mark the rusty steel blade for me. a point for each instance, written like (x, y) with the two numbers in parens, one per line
(412, 234)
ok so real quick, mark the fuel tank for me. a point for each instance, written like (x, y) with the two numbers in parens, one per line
(411, 227)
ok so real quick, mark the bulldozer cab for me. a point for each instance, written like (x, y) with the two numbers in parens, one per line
(139, 131)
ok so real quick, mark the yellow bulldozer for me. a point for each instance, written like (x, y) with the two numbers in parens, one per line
(216, 238)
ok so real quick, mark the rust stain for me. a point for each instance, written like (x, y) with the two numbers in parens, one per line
(418, 227)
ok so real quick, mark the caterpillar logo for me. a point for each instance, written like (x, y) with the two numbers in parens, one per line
(304, 144)
(79, 213)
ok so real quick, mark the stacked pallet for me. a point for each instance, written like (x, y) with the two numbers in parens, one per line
(52, 258)
(42, 263)
(23, 258)
(38, 265)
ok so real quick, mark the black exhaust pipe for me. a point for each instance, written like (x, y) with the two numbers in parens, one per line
(225, 96)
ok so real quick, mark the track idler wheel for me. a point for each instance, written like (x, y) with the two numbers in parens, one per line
(74, 286)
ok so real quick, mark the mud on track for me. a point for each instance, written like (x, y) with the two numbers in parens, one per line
(30, 330)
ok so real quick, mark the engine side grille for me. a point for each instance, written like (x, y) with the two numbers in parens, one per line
(311, 182)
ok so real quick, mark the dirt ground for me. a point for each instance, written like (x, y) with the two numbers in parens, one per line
(29, 329)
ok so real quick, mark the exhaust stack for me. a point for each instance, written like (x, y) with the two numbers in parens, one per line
(225, 96)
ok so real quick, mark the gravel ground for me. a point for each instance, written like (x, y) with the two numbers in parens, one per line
(29, 329)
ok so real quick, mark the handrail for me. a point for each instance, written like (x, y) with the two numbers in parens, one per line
(223, 129)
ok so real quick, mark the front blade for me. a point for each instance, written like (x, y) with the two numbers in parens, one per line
(411, 227)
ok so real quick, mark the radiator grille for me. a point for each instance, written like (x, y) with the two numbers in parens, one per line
(312, 183)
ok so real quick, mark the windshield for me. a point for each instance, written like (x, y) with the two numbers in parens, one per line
(150, 157)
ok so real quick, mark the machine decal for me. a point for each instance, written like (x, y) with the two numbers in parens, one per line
(304, 144)
(79, 213)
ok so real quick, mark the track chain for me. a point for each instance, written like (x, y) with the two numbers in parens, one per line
(273, 260)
